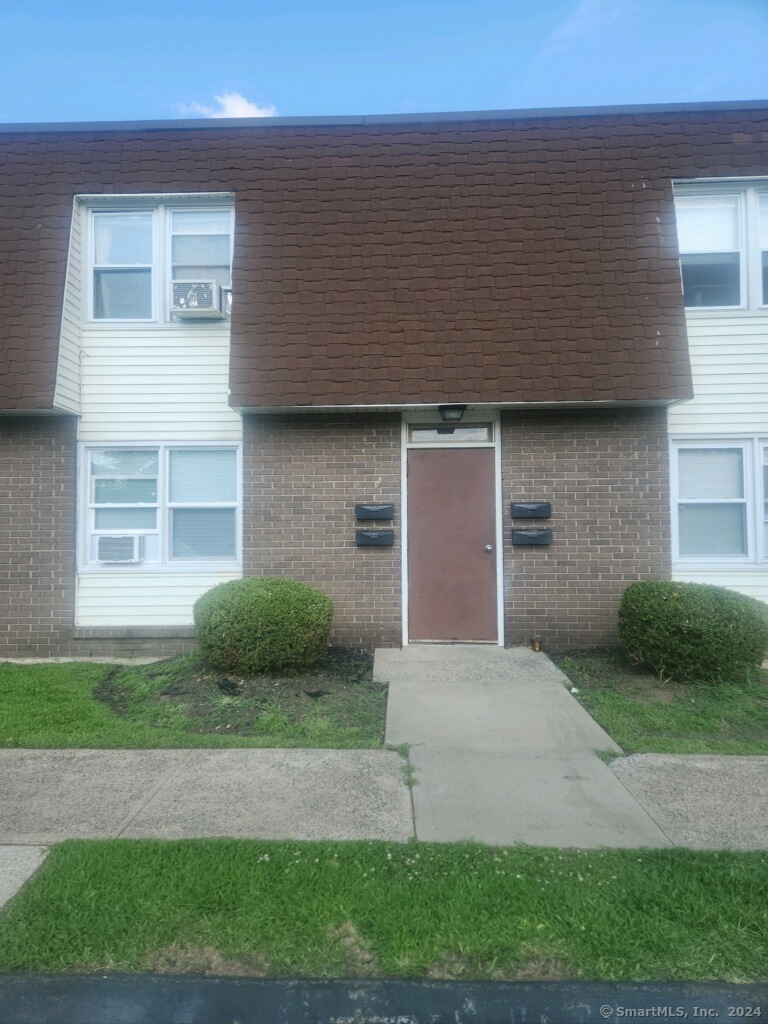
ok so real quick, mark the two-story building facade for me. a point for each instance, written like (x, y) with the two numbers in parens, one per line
(423, 363)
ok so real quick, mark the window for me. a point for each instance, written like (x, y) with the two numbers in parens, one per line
(720, 501)
(200, 246)
(137, 254)
(161, 504)
(122, 266)
(723, 236)
(712, 512)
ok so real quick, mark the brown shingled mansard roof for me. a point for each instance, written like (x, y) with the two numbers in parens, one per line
(506, 257)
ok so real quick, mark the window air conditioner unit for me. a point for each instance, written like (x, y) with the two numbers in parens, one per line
(126, 549)
(197, 300)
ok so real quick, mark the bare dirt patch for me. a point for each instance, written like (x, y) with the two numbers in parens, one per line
(177, 959)
(543, 969)
(538, 968)
(361, 960)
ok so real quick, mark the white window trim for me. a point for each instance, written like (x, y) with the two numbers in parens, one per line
(752, 446)
(750, 264)
(166, 564)
(161, 208)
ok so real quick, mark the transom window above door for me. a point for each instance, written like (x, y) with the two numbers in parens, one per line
(445, 433)
(161, 262)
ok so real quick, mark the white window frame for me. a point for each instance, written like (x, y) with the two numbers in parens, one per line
(755, 495)
(161, 210)
(166, 563)
(93, 266)
(750, 253)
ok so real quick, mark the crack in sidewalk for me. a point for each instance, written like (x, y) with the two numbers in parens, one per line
(163, 781)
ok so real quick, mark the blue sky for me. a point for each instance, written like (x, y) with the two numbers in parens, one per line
(147, 59)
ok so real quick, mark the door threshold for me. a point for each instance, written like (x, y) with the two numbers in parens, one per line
(454, 643)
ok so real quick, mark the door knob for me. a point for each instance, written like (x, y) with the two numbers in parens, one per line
(489, 547)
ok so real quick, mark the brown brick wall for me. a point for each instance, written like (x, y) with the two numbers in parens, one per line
(303, 476)
(38, 461)
(606, 474)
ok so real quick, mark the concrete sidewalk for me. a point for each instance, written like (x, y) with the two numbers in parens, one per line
(51, 795)
(17, 865)
(702, 801)
(503, 753)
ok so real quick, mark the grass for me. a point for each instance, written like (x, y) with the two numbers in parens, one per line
(177, 703)
(382, 909)
(645, 714)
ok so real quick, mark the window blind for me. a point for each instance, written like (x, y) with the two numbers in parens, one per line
(708, 224)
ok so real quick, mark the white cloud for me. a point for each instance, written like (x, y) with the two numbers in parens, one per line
(230, 104)
(588, 16)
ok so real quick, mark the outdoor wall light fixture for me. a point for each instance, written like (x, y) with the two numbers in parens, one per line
(451, 413)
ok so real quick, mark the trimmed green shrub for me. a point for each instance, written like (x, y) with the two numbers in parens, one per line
(692, 631)
(261, 623)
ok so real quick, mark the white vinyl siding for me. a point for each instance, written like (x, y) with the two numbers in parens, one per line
(753, 583)
(729, 362)
(139, 384)
(168, 381)
(116, 598)
(67, 394)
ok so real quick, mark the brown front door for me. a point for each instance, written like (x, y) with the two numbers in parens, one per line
(451, 527)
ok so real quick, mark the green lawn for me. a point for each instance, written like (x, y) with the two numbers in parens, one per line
(645, 714)
(176, 703)
(383, 909)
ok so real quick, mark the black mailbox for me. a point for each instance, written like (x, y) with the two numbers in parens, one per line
(534, 537)
(374, 538)
(374, 511)
(531, 509)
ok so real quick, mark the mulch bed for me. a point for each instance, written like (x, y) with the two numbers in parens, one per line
(233, 704)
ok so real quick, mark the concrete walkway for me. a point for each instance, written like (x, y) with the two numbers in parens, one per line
(51, 795)
(503, 753)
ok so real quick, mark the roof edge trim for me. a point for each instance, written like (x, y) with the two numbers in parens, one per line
(598, 403)
(364, 120)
